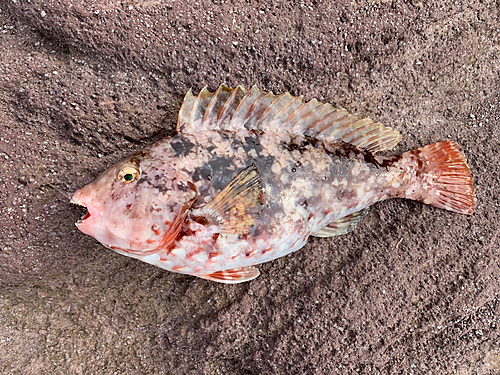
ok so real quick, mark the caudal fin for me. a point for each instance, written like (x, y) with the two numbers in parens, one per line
(440, 177)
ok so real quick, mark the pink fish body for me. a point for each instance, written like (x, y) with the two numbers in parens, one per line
(250, 175)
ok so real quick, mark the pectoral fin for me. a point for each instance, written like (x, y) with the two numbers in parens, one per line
(343, 225)
(236, 208)
(234, 276)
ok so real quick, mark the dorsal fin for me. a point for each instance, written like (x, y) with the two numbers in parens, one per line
(217, 102)
(232, 109)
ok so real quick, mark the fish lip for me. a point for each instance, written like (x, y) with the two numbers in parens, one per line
(91, 213)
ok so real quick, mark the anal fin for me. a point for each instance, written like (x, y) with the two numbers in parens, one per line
(233, 276)
(343, 225)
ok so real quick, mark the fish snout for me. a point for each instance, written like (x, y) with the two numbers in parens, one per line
(84, 200)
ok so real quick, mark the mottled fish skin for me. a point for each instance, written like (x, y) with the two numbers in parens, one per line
(307, 183)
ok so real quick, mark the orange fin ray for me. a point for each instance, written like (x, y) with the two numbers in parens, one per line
(236, 209)
(200, 105)
(230, 107)
(233, 276)
(217, 102)
(283, 103)
(444, 179)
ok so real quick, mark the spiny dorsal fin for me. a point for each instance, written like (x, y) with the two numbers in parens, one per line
(343, 225)
(187, 105)
(234, 276)
(233, 109)
(236, 208)
(230, 107)
(216, 103)
(200, 105)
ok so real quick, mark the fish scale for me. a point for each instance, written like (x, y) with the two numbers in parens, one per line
(250, 175)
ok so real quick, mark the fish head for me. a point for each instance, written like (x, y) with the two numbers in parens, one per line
(137, 205)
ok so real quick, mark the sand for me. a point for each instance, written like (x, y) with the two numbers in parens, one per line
(413, 290)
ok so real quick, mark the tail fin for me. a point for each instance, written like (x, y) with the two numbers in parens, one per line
(439, 177)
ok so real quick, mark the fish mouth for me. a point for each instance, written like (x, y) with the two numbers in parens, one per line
(90, 214)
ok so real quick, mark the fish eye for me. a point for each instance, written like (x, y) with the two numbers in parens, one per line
(129, 173)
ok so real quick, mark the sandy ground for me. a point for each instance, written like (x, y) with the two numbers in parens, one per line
(413, 289)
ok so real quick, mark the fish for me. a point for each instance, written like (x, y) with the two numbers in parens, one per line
(249, 176)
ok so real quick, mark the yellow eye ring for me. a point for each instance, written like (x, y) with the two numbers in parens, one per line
(129, 173)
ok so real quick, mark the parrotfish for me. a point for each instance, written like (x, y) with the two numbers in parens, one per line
(250, 175)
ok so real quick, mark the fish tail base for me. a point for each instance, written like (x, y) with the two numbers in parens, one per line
(439, 176)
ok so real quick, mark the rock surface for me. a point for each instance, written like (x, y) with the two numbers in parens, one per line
(83, 83)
